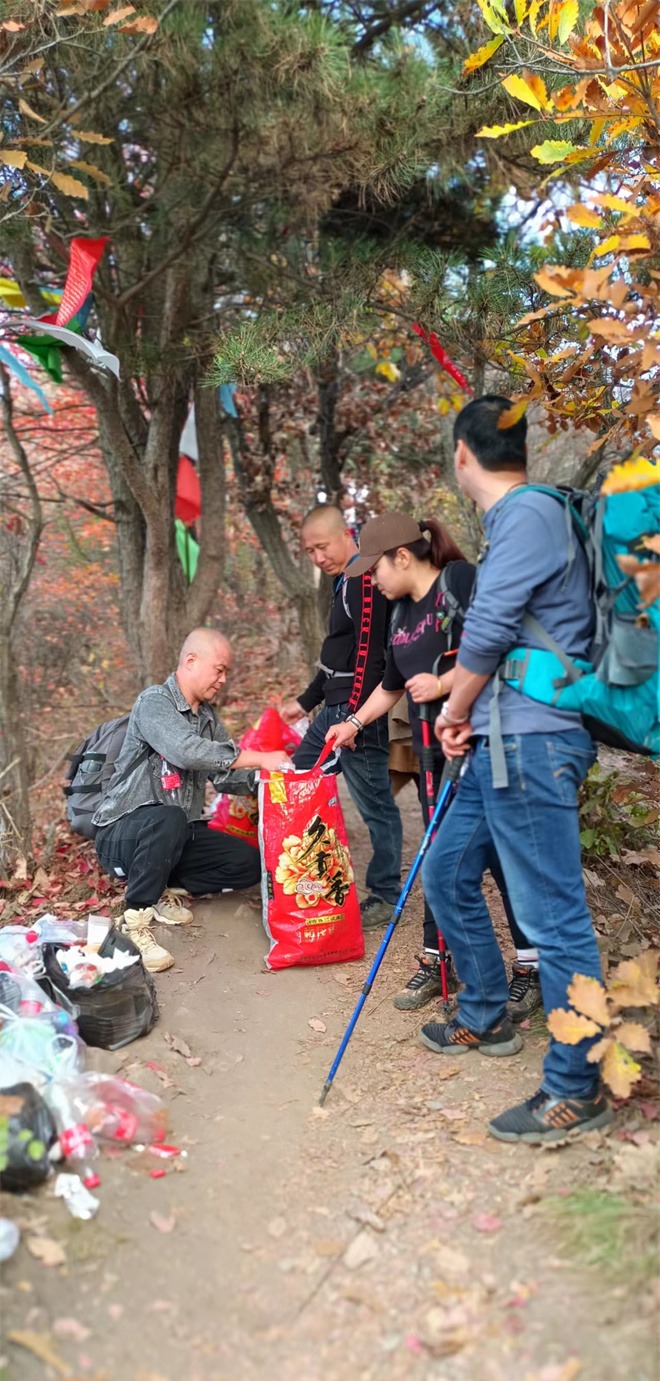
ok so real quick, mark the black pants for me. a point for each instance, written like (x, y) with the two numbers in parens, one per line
(430, 928)
(155, 847)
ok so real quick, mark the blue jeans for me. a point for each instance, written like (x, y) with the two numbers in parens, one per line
(367, 778)
(533, 823)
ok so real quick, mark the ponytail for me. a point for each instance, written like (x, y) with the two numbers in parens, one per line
(441, 546)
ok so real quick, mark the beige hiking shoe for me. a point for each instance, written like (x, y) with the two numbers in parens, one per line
(171, 910)
(137, 925)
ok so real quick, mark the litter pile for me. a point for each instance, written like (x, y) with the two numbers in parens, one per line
(66, 985)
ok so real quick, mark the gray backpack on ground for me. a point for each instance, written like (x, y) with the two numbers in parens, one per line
(91, 769)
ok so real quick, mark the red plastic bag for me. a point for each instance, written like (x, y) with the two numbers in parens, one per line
(239, 815)
(311, 911)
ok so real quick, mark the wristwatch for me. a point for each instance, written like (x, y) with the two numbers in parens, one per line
(353, 719)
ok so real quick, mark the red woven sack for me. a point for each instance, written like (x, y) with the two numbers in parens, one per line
(310, 906)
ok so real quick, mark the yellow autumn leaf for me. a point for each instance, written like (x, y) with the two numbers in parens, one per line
(569, 1027)
(634, 242)
(633, 983)
(92, 171)
(595, 1054)
(511, 415)
(496, 131)
(32, 114)
(553, 150)
(388, 370)
(588, 997)
(521, 8)
(496, 22)
(546, 280)
(569, 13)
(619, 1070)
(613, 203)
(581, 215)
(37, 168)
(634, 1036)
(70, 185)
(610, 329)
(116, 16)
(482, 55)
(444, 406)
(13, 158)
(87, 136)
(530, 89)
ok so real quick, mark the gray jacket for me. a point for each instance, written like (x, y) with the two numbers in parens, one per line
(166, 740)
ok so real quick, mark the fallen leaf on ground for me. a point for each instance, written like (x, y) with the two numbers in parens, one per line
(39, 1345)
(277, 1227)
(71, 1328)
(316, 1024)
(177, 1043)
(46, 1249)
(486, 1222)
(363, 1248)
(464, 1137)
(328, 1246)
(163, 1224)
(453, 1114)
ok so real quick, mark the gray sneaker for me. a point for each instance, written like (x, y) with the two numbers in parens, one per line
(374, 912)
(422, 987)
(524, 993)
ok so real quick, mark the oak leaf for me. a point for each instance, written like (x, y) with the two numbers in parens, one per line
(13, 158)
(32, 114)
(553, 150)
(145, 25)
(634, 1036)
(633, 983)
(89, 136)
(511, 415)
(619, 1070)
(584, 216)
(92, 171)
(116, 16)
(70, 185)
(588, 997)
(496, 131)
(570, 1028)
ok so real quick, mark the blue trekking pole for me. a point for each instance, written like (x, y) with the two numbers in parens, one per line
(450, 777)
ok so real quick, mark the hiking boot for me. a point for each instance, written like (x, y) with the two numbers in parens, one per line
(374, 912)
(524, 992)
(544, 1118)
(170, 910)
(137, 925)
(425, 984)
(453, 1038)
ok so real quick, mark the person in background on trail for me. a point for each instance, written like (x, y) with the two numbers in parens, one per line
(350, 666)
(526, 763)
(150, 829)
(432, 584)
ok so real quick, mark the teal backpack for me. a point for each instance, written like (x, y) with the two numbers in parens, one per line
(617, 691)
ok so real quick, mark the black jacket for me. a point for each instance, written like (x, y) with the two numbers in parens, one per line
(353, 654)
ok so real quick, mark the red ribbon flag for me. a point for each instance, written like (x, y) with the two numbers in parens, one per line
(444, 360)
(188, 504)
(84, 260)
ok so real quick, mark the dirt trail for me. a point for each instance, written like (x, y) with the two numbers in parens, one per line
(386, 1237)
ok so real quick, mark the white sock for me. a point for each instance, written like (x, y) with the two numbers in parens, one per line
(527, 958)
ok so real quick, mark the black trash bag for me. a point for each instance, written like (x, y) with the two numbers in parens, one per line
(27, 1131)
(118, 1009)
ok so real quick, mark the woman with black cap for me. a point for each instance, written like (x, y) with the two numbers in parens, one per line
(431, 584)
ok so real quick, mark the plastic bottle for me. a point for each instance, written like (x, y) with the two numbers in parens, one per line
(10, 1237)
(169, 777)
(115, 1109)
(77, 1144)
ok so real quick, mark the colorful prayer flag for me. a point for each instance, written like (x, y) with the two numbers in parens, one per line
(444, 360)
(84, 260)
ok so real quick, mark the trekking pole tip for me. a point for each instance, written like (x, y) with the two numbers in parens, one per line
(326, 1089)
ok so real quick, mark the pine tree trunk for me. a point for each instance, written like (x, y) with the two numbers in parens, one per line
(15, 817)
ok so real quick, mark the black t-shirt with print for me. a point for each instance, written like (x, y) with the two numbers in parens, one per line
(419, 639)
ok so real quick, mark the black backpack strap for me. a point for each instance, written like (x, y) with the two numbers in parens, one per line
(452, 605)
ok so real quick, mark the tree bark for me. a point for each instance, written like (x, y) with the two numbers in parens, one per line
(254, 475)
(18, 555)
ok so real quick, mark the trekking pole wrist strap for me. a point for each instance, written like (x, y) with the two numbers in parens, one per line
(451, 719)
